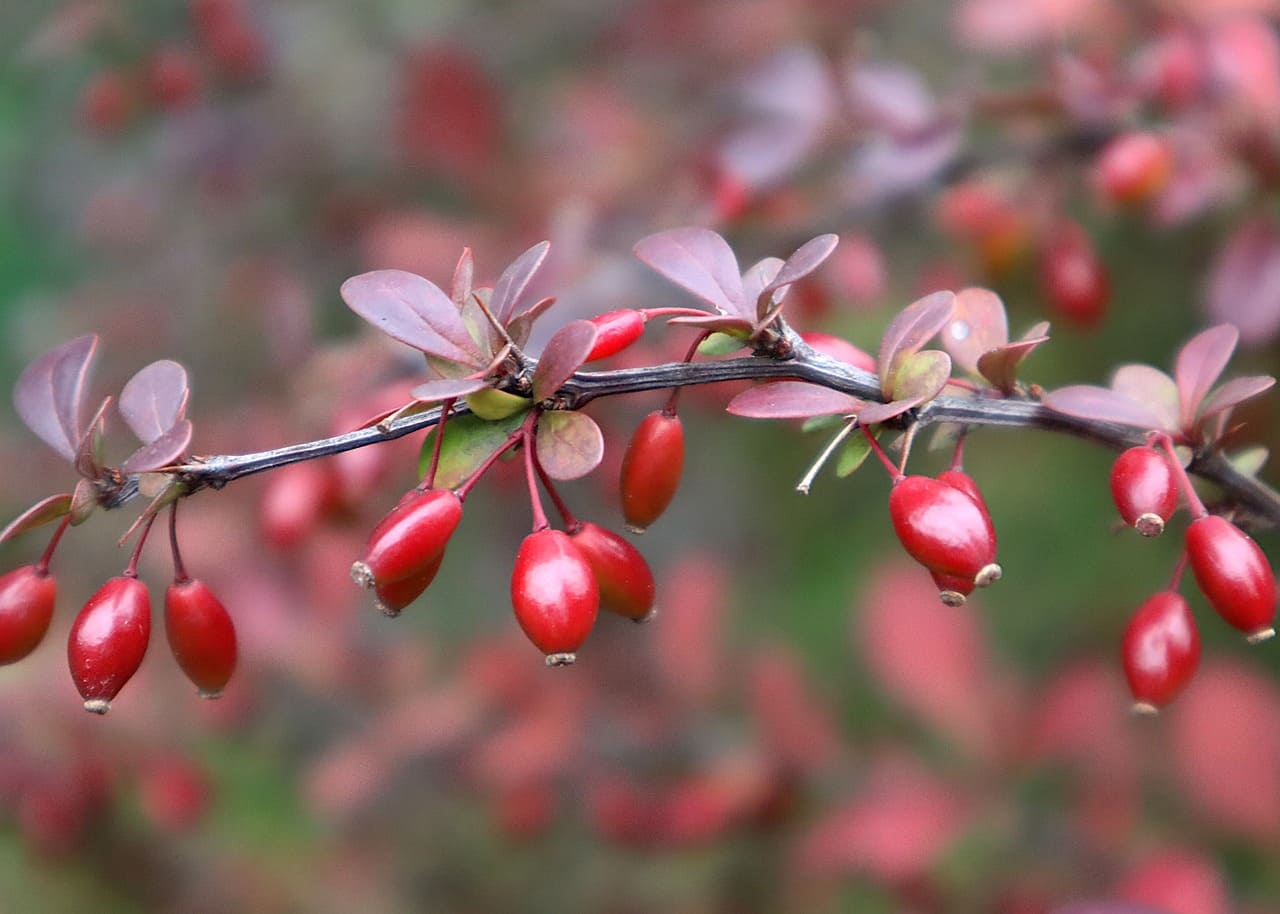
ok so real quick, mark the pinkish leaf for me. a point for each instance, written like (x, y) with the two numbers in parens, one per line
(414, 311)
(1200, 363)
(1235, 392)
(1177, 881)
(515, 280)
(791, 400)
(1000, 365)
(874, 413)
(759, 275)
(732, 326)
(1152, 388)
(564, 354)
(519, 327)
(1101, 403)
(162, 450)
(570, 444)
(907, 333)
(463, 276)
(443, 389)
(43, 511)
(922, 376)
(890, 97)
(1244, 282)
(886, 166)
(807, 258)
(699, 261)
(49, 395)
(977, 326)
(88, 459)
(154, 399)
(1106, 907)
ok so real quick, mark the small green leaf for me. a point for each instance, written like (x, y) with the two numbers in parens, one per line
(820, 423)
(853, 452)
(468, 440)
(721, 344)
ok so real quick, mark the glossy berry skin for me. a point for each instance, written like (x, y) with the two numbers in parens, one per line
(201, 635)
(108, 640)
(1144, 488)
(651, 469)
(1133, 167)
(615, 331)
(1160, 651)
(393, 596)
(1233, 574)
(959, 479)
(1073, 276)
(943, 528)
(410, 538)
(624, 578)
(554, 594)
(26, 605)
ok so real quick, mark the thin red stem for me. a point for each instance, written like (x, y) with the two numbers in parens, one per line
(1175, 580)
(469, 483)
(540, 521)
(650, 313)
(894, 473)
(429, 481)
(131, 571)
(957, 457)
(42, 566)
(1194, 504)
(179, 570)
(673, 401)
(571, 522)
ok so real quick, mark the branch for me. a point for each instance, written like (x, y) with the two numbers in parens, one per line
(1256, 504)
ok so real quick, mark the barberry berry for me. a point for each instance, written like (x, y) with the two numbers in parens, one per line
(624, 578)
(944, 529)
(108, 641)
(26, 605)
(1233, 574)
(1160, 651)
(1145, 489)
(201, 635)
(554, 594)
(409, 538)
(651, 469)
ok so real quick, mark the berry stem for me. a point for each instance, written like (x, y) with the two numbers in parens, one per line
(957, 456)
(429, 480)
(650, 313)
(463, 490)
(131, 570)
(1194, 504)
(540, 521)
(907, 441)
(179, 570)
(42, 566)
(1175, 579)
(571, 523)
(894, 473)
(672, 401)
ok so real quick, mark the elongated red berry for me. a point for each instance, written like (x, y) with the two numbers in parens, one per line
(959, 479)
(651, 469)
(615, 331)
(952, 591)
(201, 635)
(26, 605)
(410, 538)
(624, 578)
(554, 594)
(944, 529)
(1234, 575)
(393, 596)
(1145, 489)
(108, 641)
(1160, 651)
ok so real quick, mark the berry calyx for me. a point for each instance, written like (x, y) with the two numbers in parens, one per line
(944, 529)
(952, 590)
(1160, 651)
(1145, 489)
(622, 574)
(394, 596)
(201, 635)
(27, 596)
(410, 538)
(615, 331)
(651, 469)
(554, 594)
(108, 641)
(1234, 575)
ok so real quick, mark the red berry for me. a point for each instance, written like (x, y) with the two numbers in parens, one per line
(952, 591)
(1074, 277)
(959, 479)
(201, 635)
(624, 578)
(107, 102)
(26, 606)
(1145, 489)
(173, 78)
(1233, 574)
(1133, 167)
(554, 593)
(651, 469)
(944, 529)
(410, 538)
(393, 596)
(615, 331)
(108, 640)
(1161, 650)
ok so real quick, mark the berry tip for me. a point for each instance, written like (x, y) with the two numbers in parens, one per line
(97, 705)
(561, 659)
(1262, 634)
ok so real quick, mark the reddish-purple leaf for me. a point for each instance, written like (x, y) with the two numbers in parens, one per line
(1200, 363)
(84, 501)
(873, 413)
(37, 515)
(807, 258)
(515, 279)
(49, 395)
(154, 399)
(463, 276)
(792, 400)
(759, 275)
(1244, 283)
(569, 444)
(890, 97)
(907, 333)
(699, 261)
(733, 326)
(88, 459)
(1101, 403)
(1235, 392)
(564, 354)
(162, 450)
(1153, 389)
(1000, 365)
(977, 326)
(412, 310)
(922, 376)
(519, 327)
(446, 388)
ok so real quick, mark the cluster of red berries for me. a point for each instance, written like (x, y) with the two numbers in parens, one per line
(1161, 646)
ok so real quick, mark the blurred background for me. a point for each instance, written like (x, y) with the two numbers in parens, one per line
(803, 728)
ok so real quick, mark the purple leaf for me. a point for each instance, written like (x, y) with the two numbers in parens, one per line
(1200, 363)
(154, 399)
(463, 277)
(1244, 283)
(519, 327)
(1101, 403)
(49, 395)
(88, 459)
(792, 400)
(807, 258)
(569, 444)
(922, 376)
(977, 326)
(883, 412)
(37, 515)
(700, 262)
(1235, 392)
(84, 501)
(907, 333)
(515, 279)
(731, 326)
(162, 450)
(890, 97)
(564, 354)
(447, 388)
(1153, 389)
(1000, 365)
(759, 275)
(412, 310)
